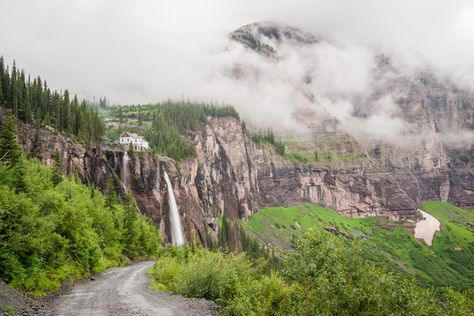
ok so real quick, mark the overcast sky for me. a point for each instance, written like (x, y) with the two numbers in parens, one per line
(144, 51)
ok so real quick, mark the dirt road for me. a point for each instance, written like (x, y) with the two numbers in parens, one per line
(125, 291)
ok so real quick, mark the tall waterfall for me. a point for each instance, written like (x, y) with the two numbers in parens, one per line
(124, 175)
(175, 221)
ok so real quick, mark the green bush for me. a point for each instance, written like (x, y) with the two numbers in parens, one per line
(54, 232)
(237, 284)
(323, 274)
(339, 280)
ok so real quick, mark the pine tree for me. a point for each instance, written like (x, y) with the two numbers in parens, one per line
(66, 112)
(56, 177)
(6, 86)
(130, 219)
(111, 198)
(10, 152)
(1, 87)
(20, 177)
(14, 90)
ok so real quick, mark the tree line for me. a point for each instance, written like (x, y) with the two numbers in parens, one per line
(32, 101)
(269, 138)
(164, 125)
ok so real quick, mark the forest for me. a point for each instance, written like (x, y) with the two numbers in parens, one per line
(32, 101)
(165, 124)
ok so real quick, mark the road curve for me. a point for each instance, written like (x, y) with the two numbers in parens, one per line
(125, 291)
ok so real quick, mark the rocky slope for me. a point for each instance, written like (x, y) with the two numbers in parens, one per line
(233, 176)
(397, 117)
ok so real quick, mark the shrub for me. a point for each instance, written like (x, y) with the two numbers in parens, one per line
(323, 274)
(61, 231)
(237, 284)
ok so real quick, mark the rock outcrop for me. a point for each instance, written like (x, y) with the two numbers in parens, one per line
(234, 177)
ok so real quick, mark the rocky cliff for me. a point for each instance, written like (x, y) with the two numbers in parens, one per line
(395, 117)
(234, 177)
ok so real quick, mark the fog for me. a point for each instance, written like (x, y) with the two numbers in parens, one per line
(145, 51)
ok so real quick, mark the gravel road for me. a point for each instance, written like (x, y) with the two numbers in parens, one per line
(125, 291)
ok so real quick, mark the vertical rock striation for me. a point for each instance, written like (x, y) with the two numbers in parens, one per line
(234, 177)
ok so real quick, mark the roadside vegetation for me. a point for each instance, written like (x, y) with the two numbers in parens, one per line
(55, 229)
(321, 274)
(308, 260)
(388, 244)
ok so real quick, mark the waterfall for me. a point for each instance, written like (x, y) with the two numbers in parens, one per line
(175, 221)
(124, 175)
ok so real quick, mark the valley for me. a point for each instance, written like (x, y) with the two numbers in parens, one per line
(385, 242)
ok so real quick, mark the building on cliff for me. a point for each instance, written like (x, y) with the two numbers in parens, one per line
(137, 143)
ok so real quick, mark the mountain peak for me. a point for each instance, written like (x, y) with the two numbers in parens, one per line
(264, 37)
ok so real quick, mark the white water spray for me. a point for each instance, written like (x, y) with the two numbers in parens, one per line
(175, 221)
(124, 175)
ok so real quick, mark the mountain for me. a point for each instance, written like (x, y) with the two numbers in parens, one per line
(355, 102)
(356, 165)
(222, 169)
(233, 176)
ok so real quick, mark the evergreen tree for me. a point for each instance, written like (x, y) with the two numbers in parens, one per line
(6, 86)
(56, 176)
(1, 88)
(20, 177)
(111, 198)
(10, 152)
(34, 101)
(225, 233)
(130, 219)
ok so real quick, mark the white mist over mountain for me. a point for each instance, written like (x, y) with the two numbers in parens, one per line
(146, 51)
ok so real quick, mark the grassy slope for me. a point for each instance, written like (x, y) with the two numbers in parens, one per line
(448, 262)
(331, 150)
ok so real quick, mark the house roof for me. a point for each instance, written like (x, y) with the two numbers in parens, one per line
(132, 135)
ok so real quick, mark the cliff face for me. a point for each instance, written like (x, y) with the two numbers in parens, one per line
(233, 176)
(395, 118)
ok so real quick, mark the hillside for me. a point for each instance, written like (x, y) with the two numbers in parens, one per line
(446, 263)
(165, 125)
(54, 229)
(339, 113)
(32, 101)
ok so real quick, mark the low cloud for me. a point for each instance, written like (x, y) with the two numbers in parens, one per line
(145, 51)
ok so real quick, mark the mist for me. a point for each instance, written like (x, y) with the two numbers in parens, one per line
(147, 51)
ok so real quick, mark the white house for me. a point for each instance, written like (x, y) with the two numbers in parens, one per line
(129, 140)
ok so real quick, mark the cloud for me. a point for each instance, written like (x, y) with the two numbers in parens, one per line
(145, 51)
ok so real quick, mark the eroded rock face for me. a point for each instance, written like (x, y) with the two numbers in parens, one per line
(231, 175)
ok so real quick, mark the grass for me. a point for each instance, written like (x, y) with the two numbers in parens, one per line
(333, 152)
(455, 241)
(10, 310)
(447, 262)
